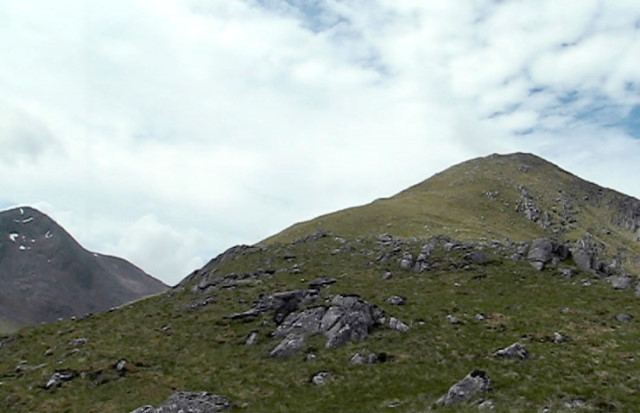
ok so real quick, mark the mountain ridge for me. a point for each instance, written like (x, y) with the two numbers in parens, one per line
(46, 274)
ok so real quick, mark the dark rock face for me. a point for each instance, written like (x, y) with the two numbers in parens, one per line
(624, 318)
(282, 304)
(475, 382)
(189, 402)
(540, 252)
(514, 351)
(46, 275)
(621, 282)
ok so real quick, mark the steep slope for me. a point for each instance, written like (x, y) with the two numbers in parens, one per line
(354, 319)
(517, 197)
(45, 274)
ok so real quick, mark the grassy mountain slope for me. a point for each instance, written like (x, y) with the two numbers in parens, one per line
(182, 339)
(485, 198)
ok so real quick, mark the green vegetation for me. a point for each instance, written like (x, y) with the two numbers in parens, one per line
(169, 347)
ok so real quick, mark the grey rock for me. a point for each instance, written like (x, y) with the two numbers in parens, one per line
(321, 378)
(252, 338)
(189, 402)
(395, 300)
(371, 358)
(406, 263)
(540, 252)
(322, 282)
(453, 319)
(304, 322)
(559, 338)
(398, 325)
(60, 377)
(487, 405)
(350, 318)
(479, 317)
(387, 275)
(290, 345)
(624, 318)
(121, 367)
(567, 272)
(78, 342)
(282, 304)
(621, 282)
(475, 382)
(514, 351)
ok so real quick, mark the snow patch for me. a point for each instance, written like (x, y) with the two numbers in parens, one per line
(95, 255)
(13, 236)
(48, 235)
(26, 221)
(21, 211)
(22, 248)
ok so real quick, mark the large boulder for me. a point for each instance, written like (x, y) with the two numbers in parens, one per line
(540, 252)
(189, 402)
(350, 318)
(475, 382)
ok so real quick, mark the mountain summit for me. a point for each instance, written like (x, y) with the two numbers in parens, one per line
(503, 283)
(45, 274)
(515, 197)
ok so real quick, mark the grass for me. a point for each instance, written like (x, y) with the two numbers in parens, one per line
(170, 348)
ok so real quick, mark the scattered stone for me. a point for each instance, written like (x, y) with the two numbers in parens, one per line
(398, 325)
(78, 342)
(60, 377)
(121, 367)
(310, 357)
(395, 300)
(475, 382)
(514, 351)
(313, 237)
(487, 405)
(479, 317)
(624, 318)
(199, 304)
(371, 358)
(453, 319)
(567, 272)
(251, 339)
(321, 378)
(288, 346)
(49, 352)
(559, 338)
(322, 282)
(289, 256)
(621, 282)
(388, 275)
(189, 402)
(478, 257)
(576, 404)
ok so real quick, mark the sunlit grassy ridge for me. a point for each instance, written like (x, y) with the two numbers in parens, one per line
(170, 347)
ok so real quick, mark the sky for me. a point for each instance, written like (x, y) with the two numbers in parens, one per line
(166, 131)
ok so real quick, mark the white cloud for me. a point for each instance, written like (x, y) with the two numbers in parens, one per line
(193, 125)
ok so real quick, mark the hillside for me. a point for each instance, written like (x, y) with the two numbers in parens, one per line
(45, 274)
(378, 308)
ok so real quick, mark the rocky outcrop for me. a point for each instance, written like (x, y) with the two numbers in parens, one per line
(475, 382)
(544, 251)
(288, 346)
(189, 402)
(282, 304)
